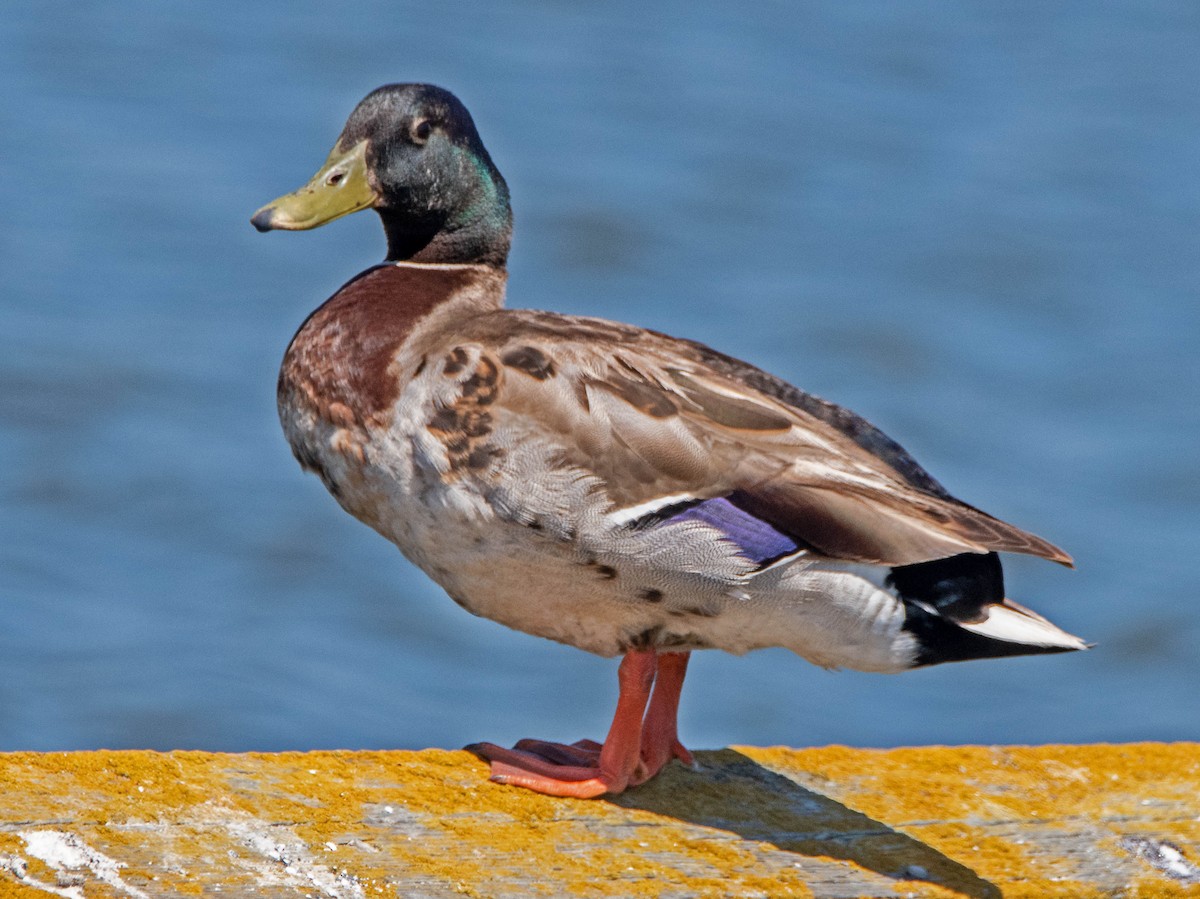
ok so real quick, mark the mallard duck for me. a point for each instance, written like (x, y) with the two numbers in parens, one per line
(609, 487)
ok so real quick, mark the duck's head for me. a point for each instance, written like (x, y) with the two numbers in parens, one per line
(411, 153)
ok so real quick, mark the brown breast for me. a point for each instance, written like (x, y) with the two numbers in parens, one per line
(340, 362)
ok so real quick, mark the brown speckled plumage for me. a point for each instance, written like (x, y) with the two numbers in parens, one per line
(343, 353)
(677, 417)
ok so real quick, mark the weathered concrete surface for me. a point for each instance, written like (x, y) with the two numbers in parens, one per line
(1069, 821)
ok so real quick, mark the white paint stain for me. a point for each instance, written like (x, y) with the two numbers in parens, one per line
(1165, 856)
(19, 868)
(283, 859)
(271, 854)
(73, 862)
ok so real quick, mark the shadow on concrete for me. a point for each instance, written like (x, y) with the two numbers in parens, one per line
(734, 793)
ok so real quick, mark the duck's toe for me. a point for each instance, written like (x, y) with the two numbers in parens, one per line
(554, 769)
(581, 753)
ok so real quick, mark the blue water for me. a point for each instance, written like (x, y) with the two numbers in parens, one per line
(978, 225)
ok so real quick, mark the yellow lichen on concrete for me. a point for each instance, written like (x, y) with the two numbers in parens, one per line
(991, 808)
(1076, 821)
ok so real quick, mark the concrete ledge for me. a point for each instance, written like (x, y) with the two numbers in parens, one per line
(1046, 821)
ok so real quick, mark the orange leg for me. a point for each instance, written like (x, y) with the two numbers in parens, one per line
(660, 735)
(639, 742)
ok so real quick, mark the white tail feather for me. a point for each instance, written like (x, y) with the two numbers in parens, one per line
(1014, 623)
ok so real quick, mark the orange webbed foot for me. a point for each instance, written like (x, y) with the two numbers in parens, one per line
(639, 744)
(555, 769)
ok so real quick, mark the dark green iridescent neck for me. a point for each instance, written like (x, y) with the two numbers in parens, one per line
(472, 225)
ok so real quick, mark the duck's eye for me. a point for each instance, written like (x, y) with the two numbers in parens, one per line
(421, 130)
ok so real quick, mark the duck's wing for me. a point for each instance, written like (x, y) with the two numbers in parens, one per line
(654, 423)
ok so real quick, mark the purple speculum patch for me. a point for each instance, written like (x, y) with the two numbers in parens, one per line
(755, 539)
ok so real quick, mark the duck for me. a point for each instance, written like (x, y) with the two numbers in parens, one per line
(609, 487)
